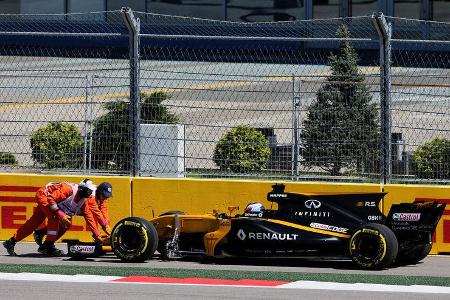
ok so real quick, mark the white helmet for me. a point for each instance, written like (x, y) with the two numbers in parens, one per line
(254, 207)
(86, 188)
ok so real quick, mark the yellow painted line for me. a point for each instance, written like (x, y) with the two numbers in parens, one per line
(219, 84)
(79, 99)
(306, 228)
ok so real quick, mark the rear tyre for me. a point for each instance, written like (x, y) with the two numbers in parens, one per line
(415, 255)
(134, 239)
(373, 246)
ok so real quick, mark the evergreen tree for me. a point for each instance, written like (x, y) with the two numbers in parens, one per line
(341, 130)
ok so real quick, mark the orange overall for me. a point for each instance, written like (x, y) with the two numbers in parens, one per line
(96, 213)
(46, 198)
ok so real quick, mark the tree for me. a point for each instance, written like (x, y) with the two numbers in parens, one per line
(341, 129)
(7, 159)
(432, 160)
(111, 133)
(57, 145)
(242, 149)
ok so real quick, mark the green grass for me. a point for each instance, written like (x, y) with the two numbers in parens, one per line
(226, 274)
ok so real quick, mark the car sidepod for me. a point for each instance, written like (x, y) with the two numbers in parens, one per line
(272, 237)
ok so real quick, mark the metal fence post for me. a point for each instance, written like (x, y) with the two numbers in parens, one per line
(86, 124)
(295, 128)
(133, 25)
(385, 30)
(91, 118)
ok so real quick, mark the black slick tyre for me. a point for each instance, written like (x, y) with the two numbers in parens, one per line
(373, 246)
(134, 239)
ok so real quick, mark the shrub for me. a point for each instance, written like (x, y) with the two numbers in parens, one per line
(432, 160)
(57, 145)
(242, 149)
(111, 133)
(7, 159)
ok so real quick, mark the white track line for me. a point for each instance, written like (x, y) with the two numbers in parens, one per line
(303, 285)
(371, 287)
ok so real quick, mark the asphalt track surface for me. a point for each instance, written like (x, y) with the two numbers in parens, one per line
(437, 266)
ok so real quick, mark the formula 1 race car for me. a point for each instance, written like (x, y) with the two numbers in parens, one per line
(347, 226)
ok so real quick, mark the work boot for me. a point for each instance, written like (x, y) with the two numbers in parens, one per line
(38, 236)
(9, 246)
(49, 249)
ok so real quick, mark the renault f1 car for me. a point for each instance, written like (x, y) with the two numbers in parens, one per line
(349, 226)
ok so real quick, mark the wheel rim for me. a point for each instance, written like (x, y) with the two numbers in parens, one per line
(369, 247)
(131, 239)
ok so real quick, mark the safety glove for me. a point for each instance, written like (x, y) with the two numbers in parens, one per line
(64, 219)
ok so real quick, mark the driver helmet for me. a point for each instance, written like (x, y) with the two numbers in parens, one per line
(254, 207)
(86, 188)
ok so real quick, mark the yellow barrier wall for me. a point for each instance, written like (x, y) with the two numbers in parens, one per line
(409, 193)
(17, 201)
(145, 197)
(199, 196)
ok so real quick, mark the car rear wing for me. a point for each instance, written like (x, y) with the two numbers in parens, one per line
(420, 217)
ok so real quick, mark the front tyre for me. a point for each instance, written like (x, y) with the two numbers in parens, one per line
(373, 246)
(134, 239)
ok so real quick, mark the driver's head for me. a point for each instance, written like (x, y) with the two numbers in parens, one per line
(104, 190)
(86, 188)
(254, 207)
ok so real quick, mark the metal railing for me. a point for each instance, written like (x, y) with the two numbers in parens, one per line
(354, 99)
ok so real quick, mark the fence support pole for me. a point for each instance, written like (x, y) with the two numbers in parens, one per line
(86, 124)
(133, 25)
(295, 126)
(385, 31)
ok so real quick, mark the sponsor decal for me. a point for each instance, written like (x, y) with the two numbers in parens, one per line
(406, 216)
(409, 228)
(312, 204)
(328, 227)
(134, 224)
(366, 203)
(370, 231)
(271, 236)
(374, 218)
(323, 214)
(277, 195)
(82, 249)
(259, 215)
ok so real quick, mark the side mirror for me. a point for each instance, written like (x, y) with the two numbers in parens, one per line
(231, 209)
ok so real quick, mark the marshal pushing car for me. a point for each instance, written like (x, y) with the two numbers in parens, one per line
(303, 225)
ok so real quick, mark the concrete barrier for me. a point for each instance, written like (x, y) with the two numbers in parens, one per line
(148, 197)
(153, 196)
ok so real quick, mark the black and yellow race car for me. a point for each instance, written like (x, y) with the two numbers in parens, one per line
(349, 226)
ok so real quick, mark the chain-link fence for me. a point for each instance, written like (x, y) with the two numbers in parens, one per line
(355, 99)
